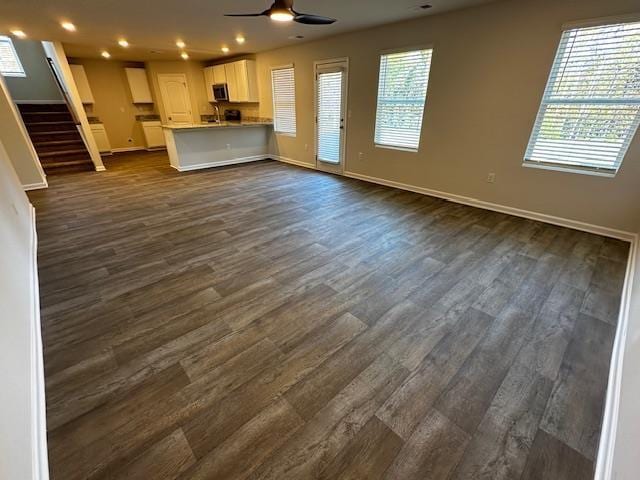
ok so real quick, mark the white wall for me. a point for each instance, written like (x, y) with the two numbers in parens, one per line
(17, 143)
(23, 454)
(626, 463)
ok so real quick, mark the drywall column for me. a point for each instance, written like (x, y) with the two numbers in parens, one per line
(17, 143)
(55, 52)
(23, 447)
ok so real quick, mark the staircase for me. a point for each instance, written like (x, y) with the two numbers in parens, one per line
(56, 138)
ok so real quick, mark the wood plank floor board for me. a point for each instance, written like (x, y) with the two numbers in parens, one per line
(269, 321)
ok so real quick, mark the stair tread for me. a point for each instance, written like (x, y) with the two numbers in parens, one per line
(53, 132)
(67, 163)
(57, 153)
(47, 143)
(56, 122)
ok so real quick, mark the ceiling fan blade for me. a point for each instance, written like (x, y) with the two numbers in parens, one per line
(313, 19)
(244, 14)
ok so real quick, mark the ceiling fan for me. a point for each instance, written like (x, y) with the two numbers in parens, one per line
(282, 11)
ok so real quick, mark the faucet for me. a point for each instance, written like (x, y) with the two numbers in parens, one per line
(217, 110)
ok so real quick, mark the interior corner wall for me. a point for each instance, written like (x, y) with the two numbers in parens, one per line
(17, 143)
(113, 103)
(489, 70)
(39, 84)
(21, 455)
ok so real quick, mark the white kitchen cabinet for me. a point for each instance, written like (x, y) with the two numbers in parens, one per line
(219, 74)
(139, 85)
(82, 83)
(101, 138)
(209, 82)
(153, 135)
(242, 81)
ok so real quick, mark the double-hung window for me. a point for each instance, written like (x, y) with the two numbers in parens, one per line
(402, 93)
(284, 100)
(590, 110)
(10, 65)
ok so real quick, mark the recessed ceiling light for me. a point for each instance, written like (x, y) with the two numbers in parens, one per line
(123, 43)
(105, 54)
(225, 49)
(18, 33)
(240, 39)
(184, 55)
(180, 44)
(68, 26)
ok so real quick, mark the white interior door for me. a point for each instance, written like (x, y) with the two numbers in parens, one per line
(331, 107)
(175, 97)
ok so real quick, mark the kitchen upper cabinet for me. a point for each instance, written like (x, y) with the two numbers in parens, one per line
(219, 74)
(242, 81)
(139, 85)
(82, 83)
(213, 76)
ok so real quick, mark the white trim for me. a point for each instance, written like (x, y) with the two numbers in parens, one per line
(39, 102)
(222, 163)
(154, 149)
(569, 169)
(282, 67)
(606, 446)
(101, 168)
(474, 202)
(36, 186)
(38, 411)
(291, 161)
(126, 149)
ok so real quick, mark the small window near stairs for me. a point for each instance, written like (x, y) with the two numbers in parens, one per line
(10, 65)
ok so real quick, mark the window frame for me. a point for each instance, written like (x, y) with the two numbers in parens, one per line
(391, 51)
(273, 100)
(574, 168)
(22, 73)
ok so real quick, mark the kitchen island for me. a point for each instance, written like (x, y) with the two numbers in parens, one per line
(206, 145)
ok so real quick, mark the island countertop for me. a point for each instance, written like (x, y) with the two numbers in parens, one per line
(197, 126)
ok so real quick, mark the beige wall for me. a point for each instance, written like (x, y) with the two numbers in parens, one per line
(489, 69)
(113, 103)
(39, 84)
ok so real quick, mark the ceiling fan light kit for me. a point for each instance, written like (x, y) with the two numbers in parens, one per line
(282, 11)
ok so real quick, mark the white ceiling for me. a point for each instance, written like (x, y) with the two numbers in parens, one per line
(154, 25)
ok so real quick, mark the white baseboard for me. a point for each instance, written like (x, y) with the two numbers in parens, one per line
(38, 410)
(293, 162)
(606, 446)
(127, 149)
(474, 202)
(222, 163)
(155, 149)
(36, 186)
(101, 168)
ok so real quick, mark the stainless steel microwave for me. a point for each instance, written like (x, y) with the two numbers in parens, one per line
(220, 92)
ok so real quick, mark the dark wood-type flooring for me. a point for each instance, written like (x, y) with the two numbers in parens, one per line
(265, 321)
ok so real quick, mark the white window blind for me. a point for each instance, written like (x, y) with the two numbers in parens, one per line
(329, 122)
(402, 92)
(10, 65)
(284, 100)
(591, 105)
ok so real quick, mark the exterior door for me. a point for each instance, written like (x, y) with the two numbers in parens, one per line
(331, 107)
(175, 98)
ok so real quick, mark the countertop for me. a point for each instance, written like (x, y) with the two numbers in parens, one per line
(198, 126)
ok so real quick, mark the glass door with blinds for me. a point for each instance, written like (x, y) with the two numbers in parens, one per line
(330, 105)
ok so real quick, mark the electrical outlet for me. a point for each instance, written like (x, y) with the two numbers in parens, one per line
(491, 178)
(360, 155)
(228, 146)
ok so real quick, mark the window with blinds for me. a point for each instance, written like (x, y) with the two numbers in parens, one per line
(10, 65)
(402, 92)
(284, 100)
(590, 110)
